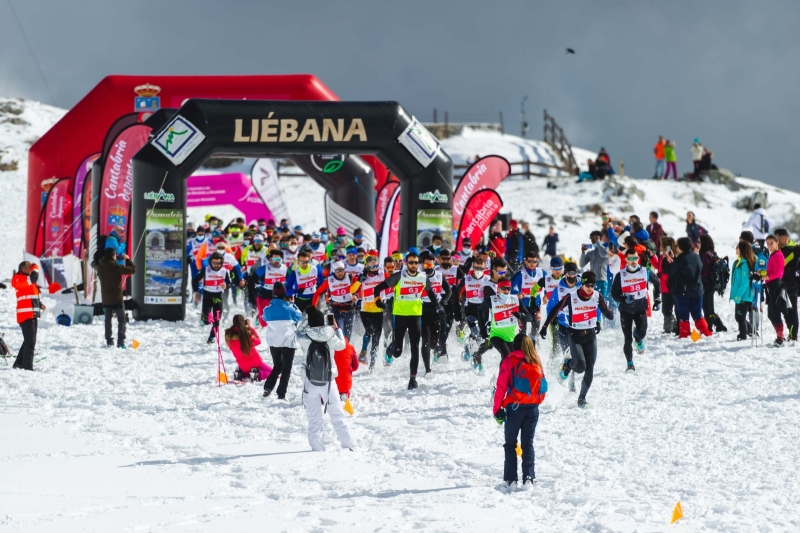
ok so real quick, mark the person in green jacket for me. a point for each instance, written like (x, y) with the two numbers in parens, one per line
(742, 286)
(671, 159)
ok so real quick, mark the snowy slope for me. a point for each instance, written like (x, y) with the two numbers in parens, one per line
(110, 440)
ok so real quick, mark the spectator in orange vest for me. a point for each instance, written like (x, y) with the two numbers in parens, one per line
(29, 308)
(658, 151)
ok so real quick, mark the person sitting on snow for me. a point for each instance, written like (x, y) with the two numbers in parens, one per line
(242, 340)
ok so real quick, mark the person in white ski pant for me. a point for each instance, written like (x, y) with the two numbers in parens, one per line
(319, 398)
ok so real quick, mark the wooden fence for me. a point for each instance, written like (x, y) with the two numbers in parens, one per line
(525, 169)
(554, 136)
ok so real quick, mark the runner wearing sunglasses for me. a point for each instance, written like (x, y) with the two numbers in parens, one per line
(260, 284)
(527, 287)
(569, 283)
(505, 314)
(303, 280)
(581, 310)
(371, 314)
(629, 290)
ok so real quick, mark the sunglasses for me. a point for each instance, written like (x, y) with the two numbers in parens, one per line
(534, 261)
(505, 289)
(632, 259)
(302, 263)
(275, 259)
(478, 269)
(412, 262)
(501, 272)
(372, 267)
(559, 269)
(339, 270)
(571, 274)
(589, 285)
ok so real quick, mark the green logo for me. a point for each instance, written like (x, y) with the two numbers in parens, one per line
(432, 197)
(332, 166)
(160, 196)
(172, 133)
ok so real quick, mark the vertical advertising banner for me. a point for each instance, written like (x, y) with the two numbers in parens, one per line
(265, 180)
(432, 222)
(390, 231)
(117, 183)
(478, 215)
(81, 175)
(486, 173)
(57, 216)
(385, 195)
(163, 254)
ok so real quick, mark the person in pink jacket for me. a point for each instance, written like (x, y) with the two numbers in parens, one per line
(774, 285)
(242, 340)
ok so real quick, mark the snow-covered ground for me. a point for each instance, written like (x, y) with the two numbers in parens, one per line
(144, 440)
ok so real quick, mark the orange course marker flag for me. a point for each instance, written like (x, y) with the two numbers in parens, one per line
(695, 336)
(223, 377)
(348, 406)
(677, 513)
(519, 450)
(135, 344)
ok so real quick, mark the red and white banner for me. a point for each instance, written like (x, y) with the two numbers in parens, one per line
(382, 201)
(57, 218)
(116, 187)
(390, 231)
(486, 173)
(84, 169)
(478, 214)
(265, 180)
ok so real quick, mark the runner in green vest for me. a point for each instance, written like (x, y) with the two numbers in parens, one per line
(504, 313)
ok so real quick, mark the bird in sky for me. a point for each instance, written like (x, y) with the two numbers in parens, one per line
(570, 51)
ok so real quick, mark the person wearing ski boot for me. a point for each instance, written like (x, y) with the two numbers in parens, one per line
(686, 288)
(668, 310)
(371, 314)
(742, 287)
(212, 280)
(346, 363)
(453, 275)
(568, 283)
(409, 285)
(303, 280)
(505, 316)
(281, 317)
(111, 275)
(340, 291)
(29, 309)
(581, 308)
(320, 392)
(521, 387)
(791, 278)
(773, 280)
(629, 290)
(242, 340)
(709, 259)
(432, 318)
(263, 279)
(527, 287)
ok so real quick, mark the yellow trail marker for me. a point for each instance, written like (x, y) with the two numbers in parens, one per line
(135, 344)
(348, 406)
(695, 336)
(677, 513)
(519, 450)
(222, 377)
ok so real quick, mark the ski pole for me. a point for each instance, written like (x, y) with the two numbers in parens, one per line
(219, 350)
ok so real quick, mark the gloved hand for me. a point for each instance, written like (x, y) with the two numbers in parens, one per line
(379, 304)
(597, 327)
(500, 416)
(440, 312)
(543, 332)
(629, 300)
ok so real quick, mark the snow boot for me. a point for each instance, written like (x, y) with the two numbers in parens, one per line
(238, 375)
(211, 338)
(716, 323)
(702, 327)
(267, 392)
(412, 383)
(684, 329)
(657, 305)
(255, 374)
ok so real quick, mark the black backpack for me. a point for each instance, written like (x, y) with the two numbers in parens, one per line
(719, 275)
(100, 251)
(319, 370)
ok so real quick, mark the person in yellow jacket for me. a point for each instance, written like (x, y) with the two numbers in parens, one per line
(29, 308)
(371, 314)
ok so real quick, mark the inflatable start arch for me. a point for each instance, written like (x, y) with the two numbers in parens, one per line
(203, 128)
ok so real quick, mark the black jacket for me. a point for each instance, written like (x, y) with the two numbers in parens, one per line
(684, 276)
(636, 306)
(110, 273)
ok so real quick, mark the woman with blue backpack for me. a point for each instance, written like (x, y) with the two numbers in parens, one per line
(521, 387)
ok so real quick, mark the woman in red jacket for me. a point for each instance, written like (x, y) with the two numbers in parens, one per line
(242, 340)
(521, 387)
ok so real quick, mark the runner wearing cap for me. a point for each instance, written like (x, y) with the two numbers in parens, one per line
(358, 238)
(371, 314)
(505, 313)
(471, 298)
(339, 289)
(465, 253)
(580, 307)
(341, 241)
(351, 265)
(526, 285)
(629, 290)
(318, 252)
(263, 279)
(397, 257)
(566, 284)
(388, 306)
(432, 318)
(453, 275)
